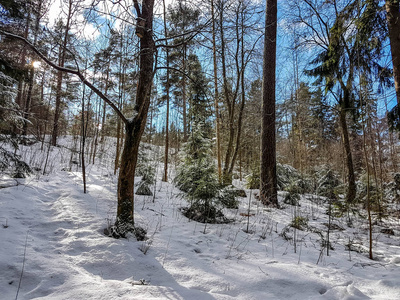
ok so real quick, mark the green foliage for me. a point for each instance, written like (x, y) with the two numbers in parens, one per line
(393, 117)
(287, 177)
(198, 84)
(392, 189)
(147, 180)
(253, 179)
(327, 183)
(197, 178)
(300, 223)
(293, 195)
(9, 115)
(339, 208)
(12, 164)
(143, 162)
(197, 170)
(227, 197)
(375, 195)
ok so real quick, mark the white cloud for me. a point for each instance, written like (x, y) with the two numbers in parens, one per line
(82, 28)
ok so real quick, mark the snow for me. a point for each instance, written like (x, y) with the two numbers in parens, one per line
(52, 233)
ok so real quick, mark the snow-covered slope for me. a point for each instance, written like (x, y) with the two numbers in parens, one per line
(52, 246)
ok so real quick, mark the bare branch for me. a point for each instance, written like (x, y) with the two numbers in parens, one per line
(67, 70)
(137, 8)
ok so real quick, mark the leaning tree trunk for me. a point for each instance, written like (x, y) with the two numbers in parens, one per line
(393, 20)
(268, 179)
(135, 127)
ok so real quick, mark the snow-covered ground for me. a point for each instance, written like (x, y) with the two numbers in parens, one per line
(52, 246)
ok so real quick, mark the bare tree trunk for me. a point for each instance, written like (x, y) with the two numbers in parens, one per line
(165, 176)
(367, 165)
(351, 193)
(61, 62)
(135, 127)
(268, 180)
(83, 140)
(216, 95)
(27, 107)
(103, 118)
(28, 101)
(95, 141)
(393, 20)
(243, 95)
(230, 97)
(185, 125)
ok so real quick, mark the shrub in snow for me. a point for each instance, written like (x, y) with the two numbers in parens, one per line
(147, 180)
(253, 179)
(392, 189)
(9, 111)
(227, 197)
(143, 161)
(286, 176)
(300, 223)
(12, 164)
(327, 183)
(292, 197)
(375, 195)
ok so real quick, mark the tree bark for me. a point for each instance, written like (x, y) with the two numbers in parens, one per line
(268, 180)
(61, 62)
(230, 96)
(216, 95)
(83, 140)
(28, 101)
(134, 128)
(393, 20)
(185, 123)
(352, 189)
(165, 177)
(103, 117)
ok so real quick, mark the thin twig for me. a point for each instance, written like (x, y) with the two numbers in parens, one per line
(23, 266)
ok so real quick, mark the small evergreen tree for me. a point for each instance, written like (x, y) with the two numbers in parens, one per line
(147, 180)
(9, 117)
(197, 178)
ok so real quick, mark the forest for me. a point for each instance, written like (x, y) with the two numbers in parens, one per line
(146, 145)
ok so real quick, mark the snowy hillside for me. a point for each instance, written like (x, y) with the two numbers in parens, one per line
(52, 245)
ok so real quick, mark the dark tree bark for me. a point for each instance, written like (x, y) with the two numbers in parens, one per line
(57, 110)
(268, 180)
(28, 101)
(83, 141)
(134, 127)
(352, 189)
(393, 20)
(216, 95)
(165, 176)
(230, 94)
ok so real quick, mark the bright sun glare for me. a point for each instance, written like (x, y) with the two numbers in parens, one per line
(36, 64)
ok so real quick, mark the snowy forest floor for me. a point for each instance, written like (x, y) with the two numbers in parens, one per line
(52, 244)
